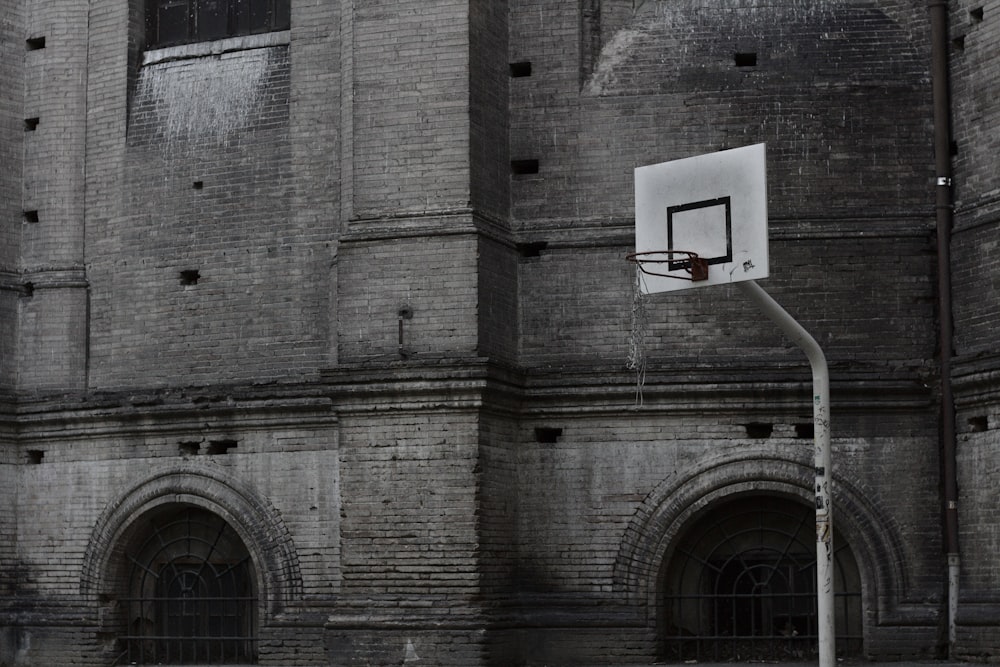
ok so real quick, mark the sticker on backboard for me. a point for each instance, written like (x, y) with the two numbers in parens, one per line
(714, 205)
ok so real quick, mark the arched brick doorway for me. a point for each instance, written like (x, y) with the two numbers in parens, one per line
(740, 585)
(191, 591)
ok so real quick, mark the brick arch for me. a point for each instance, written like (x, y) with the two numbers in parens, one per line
(254, 519)
(677, 501)
(626, 41)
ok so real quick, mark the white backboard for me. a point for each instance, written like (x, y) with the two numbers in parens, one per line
(713, 204)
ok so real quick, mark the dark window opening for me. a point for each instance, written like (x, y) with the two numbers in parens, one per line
(976, 14)
(759, 430)
(745, 59)
(520, 69)
(805, 430)
(524, 166)
(741, 587)
(547, 434)
(189, 448)
(190, 277)
(30, 124)
(172, 22)
(35, 456)
(35, 43)
(979, 424)
(531, 248)
(191, 596)
(31, 216)
(217, 447)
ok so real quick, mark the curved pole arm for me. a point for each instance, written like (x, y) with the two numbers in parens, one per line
(823, 461)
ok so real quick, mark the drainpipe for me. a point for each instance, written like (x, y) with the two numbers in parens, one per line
(942, 160)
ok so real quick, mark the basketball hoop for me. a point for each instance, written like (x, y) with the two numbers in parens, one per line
(696, 267)
(681, 261)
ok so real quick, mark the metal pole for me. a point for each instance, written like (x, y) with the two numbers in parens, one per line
(823, 464)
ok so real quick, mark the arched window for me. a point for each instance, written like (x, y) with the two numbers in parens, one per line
(191, 593)
(171, 22)
(741, 586)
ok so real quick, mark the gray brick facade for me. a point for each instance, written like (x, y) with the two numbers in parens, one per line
(356, 290)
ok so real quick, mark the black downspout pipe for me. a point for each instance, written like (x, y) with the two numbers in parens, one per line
(942, 159)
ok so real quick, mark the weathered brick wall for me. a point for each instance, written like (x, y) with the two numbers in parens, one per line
(836, 150)
(977, 443)
(585, 486)
(52, 345)
(584, 489)
(316, 136)
(12, 49)
(836, 141)
(12, 52)
(51, 349)
(206, 185)
(392, 646)
(55, 94)
(410, 541)
(434, 277)
(850, 180)
(347, 202)
(288, 456)
(12, 126)
(408, 531)
(498, 299)
(975, 74)
(410, 245)
(12, 571)
(411, 107)
(975, 77)
(488, 96)
(490, 181)
(577, 305)
(496, 475)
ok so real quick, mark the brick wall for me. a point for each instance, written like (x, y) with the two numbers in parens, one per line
(312, 248)
(488, 94)
(277, 482)
(316, 137)
(51, 250)
(433, 277)
(498, 301)
(409, 529)
(496, 474)
(851, 222)
(411, 107)
(55, 94)
(975, 34)
(572, 315)
(651, 99)
(974, 31)
(220, 282)
(11, 149)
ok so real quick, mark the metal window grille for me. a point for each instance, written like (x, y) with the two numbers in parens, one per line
(741, 586)
(191, 594)
(170, 22)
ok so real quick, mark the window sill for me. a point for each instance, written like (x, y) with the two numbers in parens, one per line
(218, 47)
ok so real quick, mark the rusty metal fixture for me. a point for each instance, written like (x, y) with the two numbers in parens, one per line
(695, 266)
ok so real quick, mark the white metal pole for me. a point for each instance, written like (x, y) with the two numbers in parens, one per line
(823, 463)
